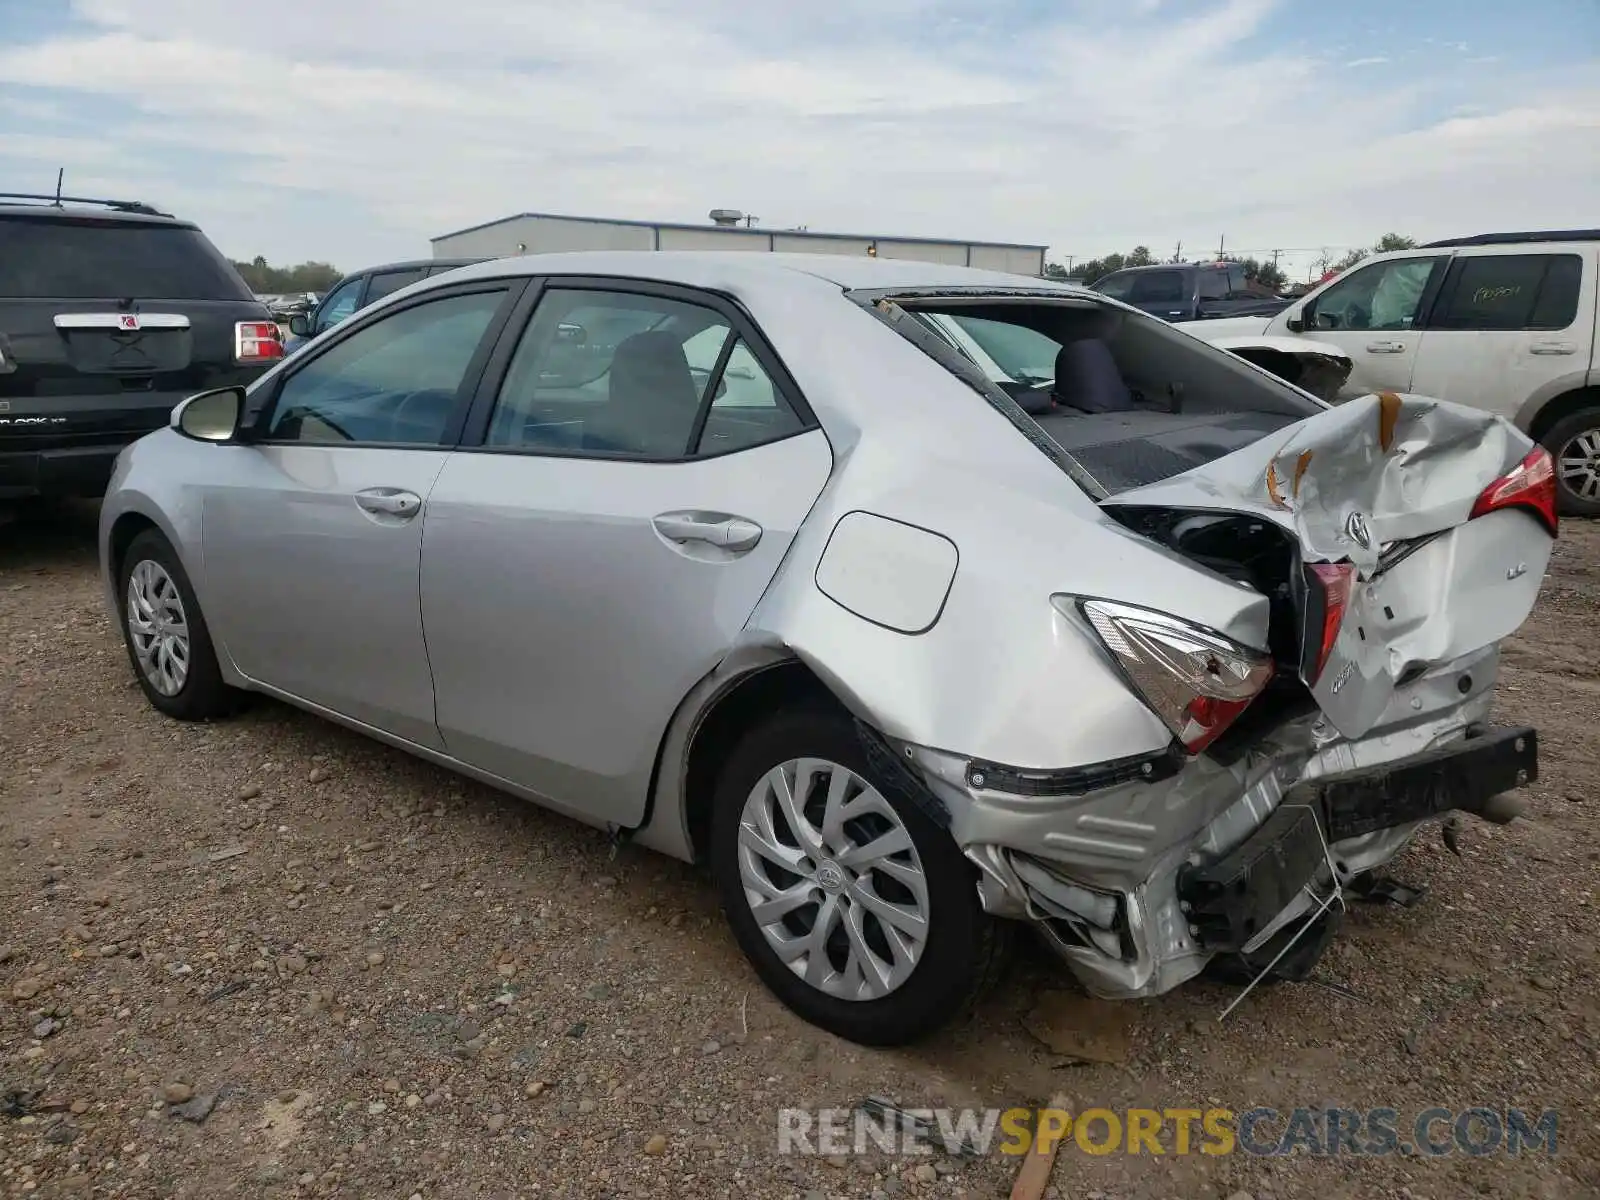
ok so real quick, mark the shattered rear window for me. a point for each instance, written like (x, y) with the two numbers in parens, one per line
(1126, 399)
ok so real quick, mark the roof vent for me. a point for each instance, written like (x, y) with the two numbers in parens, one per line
(726, 216)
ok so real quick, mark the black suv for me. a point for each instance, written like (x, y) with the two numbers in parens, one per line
(1190, 291)
(110, 314)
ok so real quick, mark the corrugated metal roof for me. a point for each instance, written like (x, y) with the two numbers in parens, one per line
(759, 230)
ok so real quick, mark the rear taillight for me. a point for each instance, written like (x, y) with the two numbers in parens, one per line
(1194, 679)
(1530, 485)
(256, 342)
(1335, 583)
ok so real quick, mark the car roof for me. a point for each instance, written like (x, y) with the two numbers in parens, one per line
(1517, 238)
(55, 212)
(414, 264)
(699, 268)
(1163, 267)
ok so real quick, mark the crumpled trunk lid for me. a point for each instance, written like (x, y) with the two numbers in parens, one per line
(1387, 483)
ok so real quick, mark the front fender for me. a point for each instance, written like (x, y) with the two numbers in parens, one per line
(152, 481)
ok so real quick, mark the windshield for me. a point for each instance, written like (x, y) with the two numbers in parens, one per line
(71, 258)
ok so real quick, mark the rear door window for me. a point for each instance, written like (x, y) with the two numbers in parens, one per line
(80, 258)
(385, 282)
(1509, 292)
(628, 375)
(1157, 287)
(1213, 285)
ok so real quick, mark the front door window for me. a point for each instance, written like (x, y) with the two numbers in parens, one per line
(1382, 296)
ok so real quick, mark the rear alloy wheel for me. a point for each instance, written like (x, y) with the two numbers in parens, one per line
(856, 909)
(1574, 443)
(168, 642)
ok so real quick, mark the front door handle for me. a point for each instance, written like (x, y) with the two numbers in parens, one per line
(389, 502)
(1386, 347)
(1552, 348)
(714, 529)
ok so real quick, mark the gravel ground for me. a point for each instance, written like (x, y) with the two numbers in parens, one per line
(269, 958)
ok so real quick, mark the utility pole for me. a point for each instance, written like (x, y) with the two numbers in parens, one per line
(1177, 255)
(1221, 242)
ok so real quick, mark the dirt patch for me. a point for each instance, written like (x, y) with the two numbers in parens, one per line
(392, 982)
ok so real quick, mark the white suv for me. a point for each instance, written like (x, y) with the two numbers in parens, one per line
(1502, 321)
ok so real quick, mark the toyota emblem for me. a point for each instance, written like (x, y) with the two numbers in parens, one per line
(830, 877)
(1356, 526)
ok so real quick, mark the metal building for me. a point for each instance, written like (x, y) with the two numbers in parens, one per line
(543, 233)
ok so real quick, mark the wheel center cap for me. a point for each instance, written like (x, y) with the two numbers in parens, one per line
(830, 876)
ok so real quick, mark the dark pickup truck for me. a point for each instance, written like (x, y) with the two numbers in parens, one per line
(1190, 291)
(110, 314)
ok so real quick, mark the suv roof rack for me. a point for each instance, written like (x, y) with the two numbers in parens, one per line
(54, 201)
(1511, 239)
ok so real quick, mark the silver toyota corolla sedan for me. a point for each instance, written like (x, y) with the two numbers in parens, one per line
(921, 603)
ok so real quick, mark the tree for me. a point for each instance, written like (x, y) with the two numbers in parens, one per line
(1140, 257)
(1055, 271)
(1264, 273)
(1394, 241)
(1099, 268)
(1342, 265)
(307, 277)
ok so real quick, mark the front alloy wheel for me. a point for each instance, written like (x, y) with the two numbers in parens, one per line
(158, 630)
(168, 642)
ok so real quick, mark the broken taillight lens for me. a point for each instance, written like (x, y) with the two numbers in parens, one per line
(1530, 485)
(1338, 583)
(257, 342)
(1196, 680)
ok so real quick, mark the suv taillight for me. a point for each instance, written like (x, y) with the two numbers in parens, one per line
(256, 342)
(1530, 485)
(1194, 679)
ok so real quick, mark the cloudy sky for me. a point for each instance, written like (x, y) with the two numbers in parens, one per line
(353, 130)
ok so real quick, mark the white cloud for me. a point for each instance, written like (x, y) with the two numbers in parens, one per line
(355, 130)
(1375, 61)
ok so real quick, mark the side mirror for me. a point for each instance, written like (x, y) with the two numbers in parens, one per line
(1299, 319)
(300, 324)
(210, 416)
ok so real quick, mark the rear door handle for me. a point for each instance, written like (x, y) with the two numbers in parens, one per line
(389, 502)
(1386, 347)
(714, 529)
(1552, 348)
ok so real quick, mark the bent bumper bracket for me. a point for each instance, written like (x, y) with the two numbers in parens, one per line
(1233, 898)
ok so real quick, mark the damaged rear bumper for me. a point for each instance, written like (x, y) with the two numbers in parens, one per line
(1139, 883)
(1232, 900)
